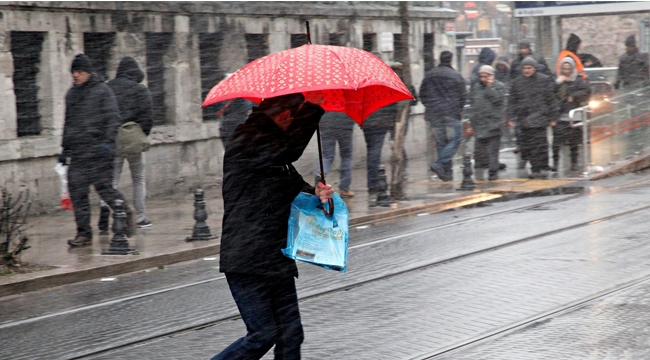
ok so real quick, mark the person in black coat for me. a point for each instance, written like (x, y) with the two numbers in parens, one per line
(502, 70)
(524, 52)
(443, 93)
(135, 104)
(532, 107)
(633, 67)
(572, 92)
(91, 121)
(485, 57)
(260, 183)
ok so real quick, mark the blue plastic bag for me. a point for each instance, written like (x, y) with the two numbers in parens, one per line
(313, 237)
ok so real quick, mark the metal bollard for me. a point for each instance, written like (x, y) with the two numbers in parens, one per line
(468, 182)
(382, 186)
(119, 243)
(201, 230)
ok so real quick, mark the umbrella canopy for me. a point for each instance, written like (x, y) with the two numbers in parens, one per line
(351, 80)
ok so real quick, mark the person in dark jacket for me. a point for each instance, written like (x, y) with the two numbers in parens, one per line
(443, 94)
(633, 67)
(375, 128)
(485, 57)
(91, 121)
(571, 50)
(234, 113)
(532, 107)
(524, 52)
(337, 127)
(572, 92)
(135, 104)
(260, 183)
(502, 70)
(487, 108)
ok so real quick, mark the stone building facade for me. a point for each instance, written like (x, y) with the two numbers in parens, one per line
(185, 48)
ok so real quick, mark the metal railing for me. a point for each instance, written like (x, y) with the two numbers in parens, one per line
(612, 136)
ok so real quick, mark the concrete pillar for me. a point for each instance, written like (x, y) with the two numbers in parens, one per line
(7, 97)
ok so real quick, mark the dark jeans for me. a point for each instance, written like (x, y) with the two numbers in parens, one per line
(564, 134)
(269, 308)
(374, 143)
(81, 174)
(534, 147)
(448, 138)
(344, 138)
(486, 154)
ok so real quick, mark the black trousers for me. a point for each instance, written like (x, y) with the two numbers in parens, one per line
(486, 154)
(83, 172)
(534, 148)
(269, 308)
(564, 134)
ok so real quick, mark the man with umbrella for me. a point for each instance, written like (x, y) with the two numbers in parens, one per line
(259, 186)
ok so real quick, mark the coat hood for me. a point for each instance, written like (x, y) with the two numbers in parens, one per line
(574, 72)
(486, 56)
(573, 43)
(502, 60)
(130, 69)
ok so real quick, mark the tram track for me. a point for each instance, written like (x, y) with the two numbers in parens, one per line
(433, 354)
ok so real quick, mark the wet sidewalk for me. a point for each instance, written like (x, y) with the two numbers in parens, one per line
(172, 219)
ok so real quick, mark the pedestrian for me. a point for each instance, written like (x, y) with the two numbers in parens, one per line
(633, 67)
(91, 121)
(572, 92)
(485, 57)
(532, 107)
(525, 51)
(235, 112)
(397, 67)
(502, 70)
(135, 104)
(572, 47)
(337, 127)
(259, 186)
(375, 128)
(443, 94)
(487, 108)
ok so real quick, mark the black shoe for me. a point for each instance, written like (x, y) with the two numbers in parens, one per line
(493, 177)
(502, 166)
(144, 224)
(79, 241)
(440, 173)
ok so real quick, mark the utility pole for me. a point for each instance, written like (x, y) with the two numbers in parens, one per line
(397, 181)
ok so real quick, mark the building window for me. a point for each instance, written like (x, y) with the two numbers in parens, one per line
(98, 48)
(298, 40)
(157, 46)
(257, 46)
(399, 55)
(211, 74)
(370, 42)
(427, 50)
(26, 48)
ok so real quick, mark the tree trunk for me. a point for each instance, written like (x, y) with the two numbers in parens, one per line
(397, 181)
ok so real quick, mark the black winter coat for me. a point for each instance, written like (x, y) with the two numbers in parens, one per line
(133, 98)
(384, 119)
(579, 90)
(542, 66)
(443, 94)
(486, 57)
(487, 107)
(532, 102)
(234, 115)
(91, 118)
(258, 188)
(633, 70)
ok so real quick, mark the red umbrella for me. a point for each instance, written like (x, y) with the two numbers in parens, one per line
(351, 80)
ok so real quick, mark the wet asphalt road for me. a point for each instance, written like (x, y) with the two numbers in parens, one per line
(415, 288)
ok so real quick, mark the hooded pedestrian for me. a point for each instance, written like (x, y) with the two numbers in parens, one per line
(260, 183)
(532, 107)
(571, 50)
(487, 108)
(485, 57)
(525, 50)
(633, 69)
(135, 104)
(92, 117)
(443, 93)
(572, 92)
(235, 112)
(502, 70)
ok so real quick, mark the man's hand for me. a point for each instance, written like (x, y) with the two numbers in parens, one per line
(510, 123)
(324, 192)
(553, 123)
(561, 79)
(570, 99)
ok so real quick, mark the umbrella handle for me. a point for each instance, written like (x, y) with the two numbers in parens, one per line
(329, 212)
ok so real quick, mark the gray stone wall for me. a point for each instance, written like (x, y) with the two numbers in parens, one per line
(186, 151)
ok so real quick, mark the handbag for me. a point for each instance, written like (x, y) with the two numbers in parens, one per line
(131, 140)
(315, 238)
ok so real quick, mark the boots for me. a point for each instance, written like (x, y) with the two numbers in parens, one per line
(79, 241)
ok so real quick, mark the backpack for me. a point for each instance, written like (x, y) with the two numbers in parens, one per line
(130, 139)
